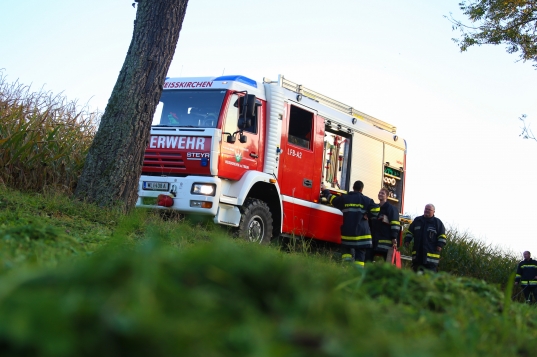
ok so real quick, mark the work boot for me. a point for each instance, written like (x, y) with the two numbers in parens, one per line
(359, 264)
(346, 258)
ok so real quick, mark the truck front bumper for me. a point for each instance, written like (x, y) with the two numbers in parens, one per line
(191, 194)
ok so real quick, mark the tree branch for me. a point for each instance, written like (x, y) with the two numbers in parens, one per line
(527, 133)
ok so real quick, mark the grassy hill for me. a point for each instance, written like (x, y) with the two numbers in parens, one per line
(77, 280)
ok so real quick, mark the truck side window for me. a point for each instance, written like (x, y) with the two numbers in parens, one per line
(232, 115)
(157, 117)
(300, 127)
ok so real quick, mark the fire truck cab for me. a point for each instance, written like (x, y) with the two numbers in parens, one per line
(253, 155)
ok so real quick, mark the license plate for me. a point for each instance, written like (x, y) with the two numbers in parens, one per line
(156, 186)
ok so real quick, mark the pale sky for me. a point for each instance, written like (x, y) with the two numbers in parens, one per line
(391, 59)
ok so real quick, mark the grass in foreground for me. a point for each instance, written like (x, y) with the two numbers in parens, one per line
(139, 286)
(39, 230)
(224, 297)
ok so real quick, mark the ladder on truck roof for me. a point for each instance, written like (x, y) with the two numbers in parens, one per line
(318, 97)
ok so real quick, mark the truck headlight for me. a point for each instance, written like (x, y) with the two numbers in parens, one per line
(207, 189)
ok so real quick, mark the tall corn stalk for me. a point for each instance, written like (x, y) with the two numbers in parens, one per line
(44, 138)
(467, 256)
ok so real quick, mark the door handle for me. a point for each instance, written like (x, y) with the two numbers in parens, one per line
(254, 155)
(307, 183)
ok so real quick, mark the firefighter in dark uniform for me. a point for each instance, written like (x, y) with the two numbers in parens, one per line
(355, 233)
(385, 228)
(429, 236)
(526, 275)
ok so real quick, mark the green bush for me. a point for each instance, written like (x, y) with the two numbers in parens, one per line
(226, 297)
(141, 285)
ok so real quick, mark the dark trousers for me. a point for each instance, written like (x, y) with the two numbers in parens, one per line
(371, 253)
(422, 267)
(529, 293)
(352, 254)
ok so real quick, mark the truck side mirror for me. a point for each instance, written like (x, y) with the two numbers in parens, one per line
(244, 123)
(249, 106)
(249, 111)
(243, 138)
(231, 138)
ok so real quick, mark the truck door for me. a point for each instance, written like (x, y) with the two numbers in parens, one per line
(298, 183)
(236, 158)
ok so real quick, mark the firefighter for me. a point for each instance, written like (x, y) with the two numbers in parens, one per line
(385, 228)
(429, 236)
(355, 233)
(526, 275)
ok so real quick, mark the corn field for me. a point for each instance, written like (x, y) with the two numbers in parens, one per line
(464, 255)
(44, 138)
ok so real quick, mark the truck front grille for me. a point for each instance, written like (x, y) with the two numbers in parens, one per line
(163, 162)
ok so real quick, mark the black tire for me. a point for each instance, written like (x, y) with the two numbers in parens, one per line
(256, 222)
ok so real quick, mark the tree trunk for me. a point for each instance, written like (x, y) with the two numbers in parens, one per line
(114, 162)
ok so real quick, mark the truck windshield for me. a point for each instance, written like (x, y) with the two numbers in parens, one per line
(189, 108)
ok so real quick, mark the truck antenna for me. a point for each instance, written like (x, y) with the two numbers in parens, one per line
(223, 70)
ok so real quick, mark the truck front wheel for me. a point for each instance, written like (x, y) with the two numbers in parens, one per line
(256, 222)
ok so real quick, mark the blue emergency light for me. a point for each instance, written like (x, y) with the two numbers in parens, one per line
(236, 78)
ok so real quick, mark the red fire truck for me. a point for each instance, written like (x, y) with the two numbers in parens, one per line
(253, 155)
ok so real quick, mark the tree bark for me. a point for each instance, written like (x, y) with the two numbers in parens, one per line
(114, 162)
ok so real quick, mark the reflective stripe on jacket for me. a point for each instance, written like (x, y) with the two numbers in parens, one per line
(356, 207)
(386, 227)
(526, 272)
